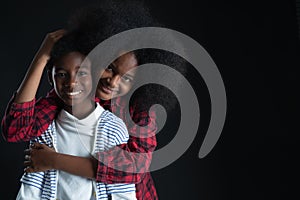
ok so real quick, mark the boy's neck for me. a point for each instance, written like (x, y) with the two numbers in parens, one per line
(80, 112)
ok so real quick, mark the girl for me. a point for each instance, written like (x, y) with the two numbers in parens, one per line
(100, 22)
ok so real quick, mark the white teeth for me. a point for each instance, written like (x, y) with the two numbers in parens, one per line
(74, 93)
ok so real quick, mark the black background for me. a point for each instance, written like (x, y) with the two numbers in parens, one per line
(255, 45)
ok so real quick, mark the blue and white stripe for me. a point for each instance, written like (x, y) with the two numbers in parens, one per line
(111, 131)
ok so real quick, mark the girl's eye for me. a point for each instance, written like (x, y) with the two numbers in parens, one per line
(109, 68)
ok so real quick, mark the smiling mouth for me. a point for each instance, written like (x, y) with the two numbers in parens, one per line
(74, 93)
(106, 89)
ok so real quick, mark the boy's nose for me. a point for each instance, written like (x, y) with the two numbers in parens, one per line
(72, 81)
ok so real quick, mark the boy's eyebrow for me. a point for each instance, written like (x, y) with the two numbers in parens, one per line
(57, 68)
(83, 66)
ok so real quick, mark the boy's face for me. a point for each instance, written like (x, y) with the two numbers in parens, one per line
(117, 78)
(72, 79)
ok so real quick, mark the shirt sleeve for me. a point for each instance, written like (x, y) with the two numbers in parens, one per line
(127, 163)
(118, 131)
(23, 121)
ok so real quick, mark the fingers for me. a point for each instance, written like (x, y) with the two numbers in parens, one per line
(29, 169)
(27, 163)
(56, 35)
(27, 157)
(59, 31)
(29, 166)
(27, 151)
(32, 157)
(37, 145)
(33, 147)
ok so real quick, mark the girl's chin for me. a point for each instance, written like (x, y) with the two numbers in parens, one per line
(103, 95)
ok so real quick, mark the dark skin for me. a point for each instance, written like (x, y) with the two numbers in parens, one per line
(111, 80)
(35, 161)
(27, 92)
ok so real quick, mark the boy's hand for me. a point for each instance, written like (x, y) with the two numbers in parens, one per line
(39, 158)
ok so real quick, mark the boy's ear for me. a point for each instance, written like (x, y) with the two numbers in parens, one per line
(49, 75)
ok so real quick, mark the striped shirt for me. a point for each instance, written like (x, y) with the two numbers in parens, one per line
(27, 120)
(110, 131)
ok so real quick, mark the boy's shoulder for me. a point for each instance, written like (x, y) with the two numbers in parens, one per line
(109, 117)
(113, 127)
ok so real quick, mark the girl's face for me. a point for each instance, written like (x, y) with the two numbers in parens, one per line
(72, 81)
(117, 79)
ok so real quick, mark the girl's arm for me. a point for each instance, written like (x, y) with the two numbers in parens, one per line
(31, 81)
(41, 158)
(134, 158)
(25, 118)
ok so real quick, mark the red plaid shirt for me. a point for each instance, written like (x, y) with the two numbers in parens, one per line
(22, 122)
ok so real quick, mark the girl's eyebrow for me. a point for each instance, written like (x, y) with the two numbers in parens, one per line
(128, 75)
(112, 65)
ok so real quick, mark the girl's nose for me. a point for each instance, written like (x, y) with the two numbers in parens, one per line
(114, 81)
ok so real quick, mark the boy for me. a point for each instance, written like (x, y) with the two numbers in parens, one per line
(82, 128)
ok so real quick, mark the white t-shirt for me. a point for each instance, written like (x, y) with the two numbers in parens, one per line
(76, 137)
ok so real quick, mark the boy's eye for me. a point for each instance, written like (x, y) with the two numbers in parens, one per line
(60, 75)
(82, 73)
(127, 79)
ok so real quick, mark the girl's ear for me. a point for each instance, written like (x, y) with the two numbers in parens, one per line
(49, 75)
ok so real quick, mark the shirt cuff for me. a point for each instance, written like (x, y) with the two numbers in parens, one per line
(19, 107)
(102, 169)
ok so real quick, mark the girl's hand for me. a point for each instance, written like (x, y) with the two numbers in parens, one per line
(29, 86)
(39, 158)
(49, 41)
